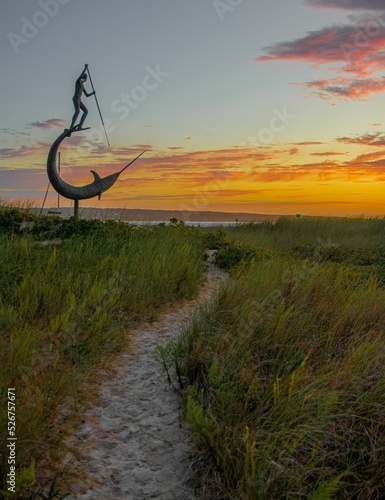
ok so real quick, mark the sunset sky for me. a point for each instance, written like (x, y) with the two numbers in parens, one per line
(263, 106)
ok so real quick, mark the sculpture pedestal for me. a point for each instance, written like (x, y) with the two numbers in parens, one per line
(76, 209)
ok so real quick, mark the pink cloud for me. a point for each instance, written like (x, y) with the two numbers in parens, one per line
(328, 153)
(348, 4)
(53, 122)
(307, 143)
(355, 51)
(345, 88)
(17, 153)
(342, 44)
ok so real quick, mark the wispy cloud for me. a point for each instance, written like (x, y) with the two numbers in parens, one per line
(307, 143)
(346, 88)
(16, 152)
(348, 4)
(53, 122)
(334, 44)
(228, 175)
(329, 153)
(368, 139)
(142, 146)
(15, 133)
(354, 50)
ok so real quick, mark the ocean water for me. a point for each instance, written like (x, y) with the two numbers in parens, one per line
(187, 223)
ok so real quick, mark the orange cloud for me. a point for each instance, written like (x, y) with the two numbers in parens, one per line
(328, 153)
(307, 143)
(234, 177)
(374, 139)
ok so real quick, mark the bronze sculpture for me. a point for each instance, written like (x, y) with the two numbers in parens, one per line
(76, 193)
(77, 99)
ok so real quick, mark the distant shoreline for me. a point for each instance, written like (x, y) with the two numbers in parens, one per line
(144, 215)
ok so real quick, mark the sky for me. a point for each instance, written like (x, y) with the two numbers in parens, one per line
(261, 106)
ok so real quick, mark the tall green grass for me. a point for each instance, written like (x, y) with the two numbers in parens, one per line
(286, 233)
(284, 372)
(66, 309)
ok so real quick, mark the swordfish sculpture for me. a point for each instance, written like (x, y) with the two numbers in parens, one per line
(66, 190)
(100, 184)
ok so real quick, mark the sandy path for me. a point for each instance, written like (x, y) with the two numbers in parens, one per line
(133, 445)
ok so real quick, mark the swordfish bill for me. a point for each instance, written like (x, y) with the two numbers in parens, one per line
(66, 190)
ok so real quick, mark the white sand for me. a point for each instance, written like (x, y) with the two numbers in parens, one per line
(134, 445)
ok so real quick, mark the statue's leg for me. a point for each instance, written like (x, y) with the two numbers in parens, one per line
(84, 115)
(77, 105)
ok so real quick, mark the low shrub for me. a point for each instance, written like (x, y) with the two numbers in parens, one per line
(11, 219)
(235, 253)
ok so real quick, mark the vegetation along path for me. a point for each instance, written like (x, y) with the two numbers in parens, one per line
(133, 444)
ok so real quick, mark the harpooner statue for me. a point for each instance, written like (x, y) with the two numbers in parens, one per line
(99, 184)
(77, 99)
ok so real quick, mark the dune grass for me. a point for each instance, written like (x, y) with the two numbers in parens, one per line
(284, 370)
(286, 233)
(66, 309)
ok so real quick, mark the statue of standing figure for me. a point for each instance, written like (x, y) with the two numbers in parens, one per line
(100, 184)
(77, 100)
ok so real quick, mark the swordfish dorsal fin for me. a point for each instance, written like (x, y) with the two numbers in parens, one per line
(97, 178)
(96, 175)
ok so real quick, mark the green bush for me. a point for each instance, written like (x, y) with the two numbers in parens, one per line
(231, 255)
(11, 218)
(215, 239)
